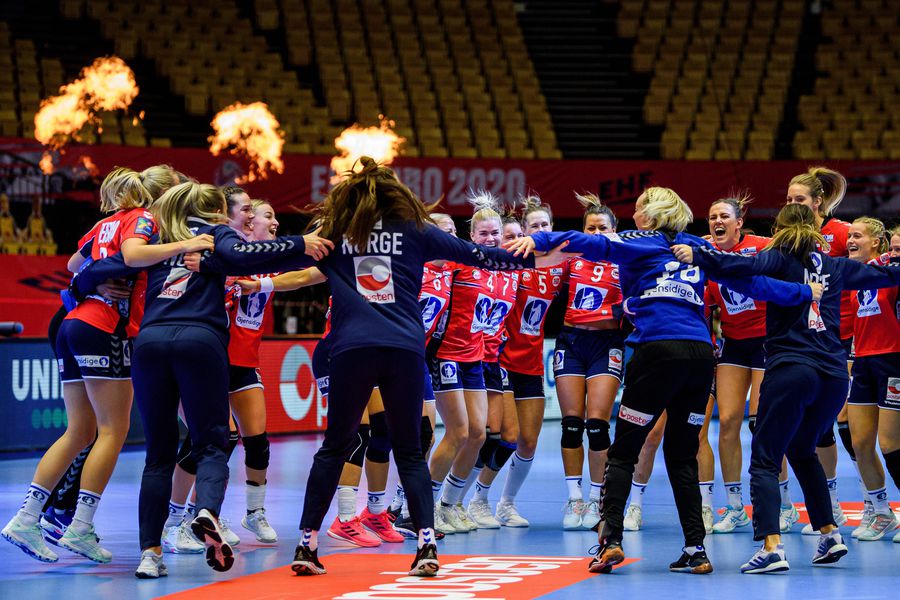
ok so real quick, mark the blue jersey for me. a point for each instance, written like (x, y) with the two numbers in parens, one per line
(375, 290)
(808, 333)
(663, 298)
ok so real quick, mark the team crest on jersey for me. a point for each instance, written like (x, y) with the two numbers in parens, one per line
(430, 307)
(533, 316)
(615, 360)
(588, 297)
(556, 281)
(176, 283)
(868, 303)
(893, 390)
(556, 271)
(476, 274)
(250, 310)
(578, 265)
(374, 278)
(526, 276)
(735, 302)
(482, 315)
(144, 227)
(814, 317)
(829, 237)
(449, 372)
(615, 273)
(559, 359)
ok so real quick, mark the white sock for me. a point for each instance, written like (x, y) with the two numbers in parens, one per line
(453, 490)
(518, 471)
(879, 501)
(399, 497)
(785, 493)
(706, 493)
(376, 502)
(470, 481)
(309, 538)
(637, 493)
(256, 496)
(574, 486)
(436, 490)
(833, 491)
(596, 491)
(190, 511)
(481, 492)
(176, 514)
(346, 502)
(35, 498)
(735, 495)
(426, 536)
(84, 511)
(404, 510)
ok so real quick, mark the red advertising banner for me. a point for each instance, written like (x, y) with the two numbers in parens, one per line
(30, 290)
(293, 402)
(874, 185)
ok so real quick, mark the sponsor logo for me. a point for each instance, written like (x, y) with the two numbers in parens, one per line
(250, 310)
(588, 297)
(533, 316)
(448, 372)
(92, 361)
(559, 359)
(374, 278)
(322, 384)
(868, 303)
(556, 281)
(126, 353)
(296, 384)
(634, 416)
(814, 317)
(482, 315)
(670, 288)
(431, 307)
(829, 237)
(60, 364)
(556, 271)
(615, 360)
(499, 311)
(696, 419)
(176, 283)
(893, 389)
(736, 302)
(504, 376)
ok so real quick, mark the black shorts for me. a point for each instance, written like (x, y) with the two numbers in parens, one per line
(495, 377)
(320, 360)
(85, 352)
(848, 347)
(243, 378)
(589, 353)
(876, 381)
(525, 387)
(749, 353)
(451, 375)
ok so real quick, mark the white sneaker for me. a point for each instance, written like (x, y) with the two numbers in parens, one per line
(480, 513)
(152, 566)
(230, 536)
(867, 515)
(86, 544)
(448, 513)
(29, 539)
(633, 518)
(207, 528)
(879, 525)
(180, 540)
(708, 518)
(464, 517)
(787, 518)
(591, 515)
(572, 514)
(508, 516)
(839, 519)
(732, 518)
(439, 523)
(257, 523)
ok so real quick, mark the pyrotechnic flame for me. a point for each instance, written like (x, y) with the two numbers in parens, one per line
(251, 131)
(107, 84)
(46, 163)
(381, 143)
(89, 165)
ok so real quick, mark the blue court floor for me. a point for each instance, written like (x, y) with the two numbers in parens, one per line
(871, 570)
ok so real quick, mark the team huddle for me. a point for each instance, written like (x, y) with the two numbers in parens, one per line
(167, 303)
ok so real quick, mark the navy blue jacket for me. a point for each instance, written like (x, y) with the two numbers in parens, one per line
(808, 333)
(664, 298)
(375, 291)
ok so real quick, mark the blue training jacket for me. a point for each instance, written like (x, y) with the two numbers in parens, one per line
(375, 290)
(808, 333)
(664, 298)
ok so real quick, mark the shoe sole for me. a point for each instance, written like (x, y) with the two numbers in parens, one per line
(259, 539)
(835, 553)
(75, 550)
(775, 567)
(407, 533)
(141, 575)
(704, 569)
(219, 554)
(386, 537)
(307, 568)
(426, 567)
(607, 561)
(351, 542)
(513, 525)
(27, 549)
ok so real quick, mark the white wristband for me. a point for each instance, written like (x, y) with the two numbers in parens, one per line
(266, 285)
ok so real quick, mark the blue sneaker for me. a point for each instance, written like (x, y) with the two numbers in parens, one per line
(54, 523)
(830, 549)
(766, 562)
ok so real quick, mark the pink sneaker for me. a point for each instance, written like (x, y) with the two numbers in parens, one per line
(352, 532)
(381, 526)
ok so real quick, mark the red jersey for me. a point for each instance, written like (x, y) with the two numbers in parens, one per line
(524, 350)
(473, 298)
(108, 235)
(742, 317)
(434, 299)
(507, 284)
(245, 329)
(594, 291)
(876, 328)
(835, 233)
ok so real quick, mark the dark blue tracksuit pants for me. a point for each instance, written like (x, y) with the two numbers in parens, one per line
(797, 404)
(172, 363)
(353, 373)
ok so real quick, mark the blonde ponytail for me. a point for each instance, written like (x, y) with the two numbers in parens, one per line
(823, 183)
(172, 209)
(122, 189)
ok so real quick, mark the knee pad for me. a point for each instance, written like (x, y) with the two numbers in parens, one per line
(501, 455)
(233, 437)
(379, 444)
(572, 432)
(846, 440)
(256, 451)
(426, 435)
(598, 434)
(751, 423)
(487, 449)
(185, 460)
(827, 440)
(359, 450)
